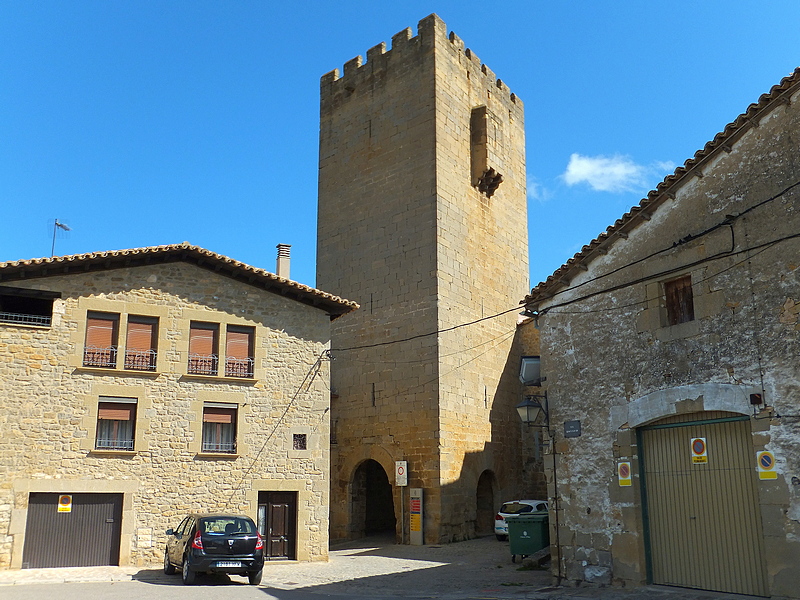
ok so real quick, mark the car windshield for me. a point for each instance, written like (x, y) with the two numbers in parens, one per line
(227, 525)
(515, 508)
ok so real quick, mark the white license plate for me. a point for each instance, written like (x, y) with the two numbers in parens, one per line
(229, 563)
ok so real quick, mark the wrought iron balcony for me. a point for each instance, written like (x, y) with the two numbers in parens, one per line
(203, 364)
(140, 360)
(113, 444)
(239, 367)
(21, 319)
(221, 447)
(100, 357)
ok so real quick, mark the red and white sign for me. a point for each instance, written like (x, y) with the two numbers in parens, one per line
(401, 472)
(699, 451)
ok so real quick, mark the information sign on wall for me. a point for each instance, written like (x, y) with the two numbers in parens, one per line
(65, 503)
(766, 465)
(699, 451)
(401, 472)
(624, 473)
(415, 518)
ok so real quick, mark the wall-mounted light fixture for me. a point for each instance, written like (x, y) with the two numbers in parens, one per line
(533, 411)
(530, 371)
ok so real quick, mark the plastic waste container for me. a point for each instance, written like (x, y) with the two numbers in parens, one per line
(528, 533)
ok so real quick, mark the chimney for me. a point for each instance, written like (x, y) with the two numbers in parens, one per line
(282, 266)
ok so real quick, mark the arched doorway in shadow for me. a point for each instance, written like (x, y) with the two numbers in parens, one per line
(372, 501)
(485, 504)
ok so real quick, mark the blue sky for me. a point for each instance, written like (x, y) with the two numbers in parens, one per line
(156, 122)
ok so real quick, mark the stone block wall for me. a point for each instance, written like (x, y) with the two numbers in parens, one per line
(49, 413)
(403, 231)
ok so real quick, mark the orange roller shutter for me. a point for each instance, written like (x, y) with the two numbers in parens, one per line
(140, 336)
(115, 411)
(202, 340)
(218, 415)
(101, 332)
(238, 344)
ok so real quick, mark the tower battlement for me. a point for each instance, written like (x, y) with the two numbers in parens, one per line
(431, 34)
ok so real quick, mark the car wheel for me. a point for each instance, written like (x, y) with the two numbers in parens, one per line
(255, 576)
(169, 569)
(187, 574)
(501, 538)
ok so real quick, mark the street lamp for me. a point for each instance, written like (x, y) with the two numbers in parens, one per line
(533, 411)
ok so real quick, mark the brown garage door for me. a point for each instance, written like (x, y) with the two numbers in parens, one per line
(702, 515)
(86, 535)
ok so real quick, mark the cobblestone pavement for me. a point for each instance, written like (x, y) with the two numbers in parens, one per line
(479, 569)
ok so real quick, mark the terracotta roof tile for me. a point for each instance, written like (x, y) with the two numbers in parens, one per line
(61, 265)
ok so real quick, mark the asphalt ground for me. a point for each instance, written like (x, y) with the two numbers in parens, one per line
(374, 568)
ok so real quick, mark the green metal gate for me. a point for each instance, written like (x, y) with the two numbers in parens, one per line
(702, 517)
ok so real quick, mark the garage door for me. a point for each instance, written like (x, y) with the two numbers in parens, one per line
(702, 514)
(84, 531)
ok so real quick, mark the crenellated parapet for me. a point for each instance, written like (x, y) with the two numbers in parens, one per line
(406, 48)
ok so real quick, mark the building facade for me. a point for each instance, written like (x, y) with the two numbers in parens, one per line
(422, 210)
(669, 347)
(140, 385)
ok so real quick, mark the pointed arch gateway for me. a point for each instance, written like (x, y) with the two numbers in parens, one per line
(485, 503)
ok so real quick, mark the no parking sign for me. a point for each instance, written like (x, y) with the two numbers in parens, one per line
(766, 465)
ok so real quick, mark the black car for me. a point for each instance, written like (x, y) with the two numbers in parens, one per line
(215, 543)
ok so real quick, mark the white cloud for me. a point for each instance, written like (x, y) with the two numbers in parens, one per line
(605, 173)
(536, 191)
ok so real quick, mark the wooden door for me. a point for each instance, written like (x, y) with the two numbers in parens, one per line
(277, 523)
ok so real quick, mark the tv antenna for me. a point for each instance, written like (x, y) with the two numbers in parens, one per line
(56, 226)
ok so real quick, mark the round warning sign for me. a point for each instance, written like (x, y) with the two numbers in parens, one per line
(766, 465)
(624, 473)
(699, 451)
(65, 503)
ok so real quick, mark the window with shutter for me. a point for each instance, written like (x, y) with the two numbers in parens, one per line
(679, 300)
(140, 343)
(116, 424)
(203, 344)
(219, 428)
(239, 351)
(100, 349)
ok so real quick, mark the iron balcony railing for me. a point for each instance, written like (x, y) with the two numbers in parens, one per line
(239, 367)
(113, 444)
(20, 319)
(200, 364)
(140, 360)
(100, 357)
(222, 447)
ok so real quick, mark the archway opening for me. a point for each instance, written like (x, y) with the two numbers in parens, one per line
(372, 501)
(485, 504)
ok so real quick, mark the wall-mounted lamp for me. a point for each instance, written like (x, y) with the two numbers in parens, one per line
(530, 371)
(533, 411)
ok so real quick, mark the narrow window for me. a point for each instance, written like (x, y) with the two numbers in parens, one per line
(679, 300)
(102, 331)
(203, 348)
(140, 343)
(239, 351)
(219, 428)
(299, 441)
(116, 423)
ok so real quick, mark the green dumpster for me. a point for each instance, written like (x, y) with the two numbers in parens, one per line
(528, 533)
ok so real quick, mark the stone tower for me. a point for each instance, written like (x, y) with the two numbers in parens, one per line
(422, 220)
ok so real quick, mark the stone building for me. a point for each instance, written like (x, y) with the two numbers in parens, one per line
(670, 349)
(422, 220)
(139, 385)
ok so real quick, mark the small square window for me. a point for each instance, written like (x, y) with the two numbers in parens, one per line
(219, 428)
(299, 441)
(679, 300)
(116, 424)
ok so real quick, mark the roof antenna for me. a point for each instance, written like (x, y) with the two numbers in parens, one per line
(56, 227)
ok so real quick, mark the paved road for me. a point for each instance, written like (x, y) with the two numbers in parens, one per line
(475, 570)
